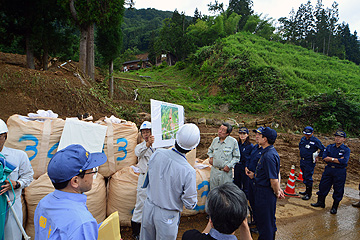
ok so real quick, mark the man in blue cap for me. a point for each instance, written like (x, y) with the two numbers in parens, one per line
(309, 146)
(250, 171)
(63, 214)
(267, 185)
(336, 156)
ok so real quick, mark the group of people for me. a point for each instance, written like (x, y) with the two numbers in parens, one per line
(256, 172)
(336, 157)
(167, 183)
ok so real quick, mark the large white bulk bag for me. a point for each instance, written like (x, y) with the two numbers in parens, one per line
(120, 142)
(122, 194)
(202, 187)
(39, 139)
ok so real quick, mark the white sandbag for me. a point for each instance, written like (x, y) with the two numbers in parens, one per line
(122, 194)
(39, 188)
(39, 139)
(120, 142)
(202, 186)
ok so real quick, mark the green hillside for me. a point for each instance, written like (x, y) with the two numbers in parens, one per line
(254, 75)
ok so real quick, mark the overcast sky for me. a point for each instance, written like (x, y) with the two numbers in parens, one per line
(348, 9)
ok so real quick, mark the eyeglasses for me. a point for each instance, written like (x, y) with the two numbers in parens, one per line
(94, 171)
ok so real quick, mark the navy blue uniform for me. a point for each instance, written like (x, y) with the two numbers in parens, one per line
(334, 173)
(268, 167)
(240, 178)
(254, 158)
(307, 147)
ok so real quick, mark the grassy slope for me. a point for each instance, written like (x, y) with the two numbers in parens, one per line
(252, 75)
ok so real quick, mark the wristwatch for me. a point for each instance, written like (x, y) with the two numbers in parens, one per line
(332, 159)
(17, 185)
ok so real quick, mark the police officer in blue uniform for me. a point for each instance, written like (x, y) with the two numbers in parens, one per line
(240, 178)
(250, 170)
(336, 156)
(308, 146)
(267, 185)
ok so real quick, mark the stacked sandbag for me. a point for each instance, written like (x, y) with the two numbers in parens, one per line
(96, 199)
(39, 139)
(120, 142)
(39, 188)
(202, 186)
(122, 194)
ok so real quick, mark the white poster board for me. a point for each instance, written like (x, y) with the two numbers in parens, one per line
(166, 119)
(90, 135)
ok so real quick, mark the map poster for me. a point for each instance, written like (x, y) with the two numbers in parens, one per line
(166, 119)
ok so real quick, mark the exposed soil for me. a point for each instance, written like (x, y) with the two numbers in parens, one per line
(24, 91)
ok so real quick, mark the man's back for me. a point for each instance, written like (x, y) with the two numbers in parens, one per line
(172, 180)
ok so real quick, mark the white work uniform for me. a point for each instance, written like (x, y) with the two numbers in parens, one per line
(224, 153)
(23, 173)
(143, 153)
(172, 185)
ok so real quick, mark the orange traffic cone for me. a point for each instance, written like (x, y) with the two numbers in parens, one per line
(290, 187)
(300, 178)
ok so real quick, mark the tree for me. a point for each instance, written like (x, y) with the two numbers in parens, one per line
(197, 15)
(87, 13)
(41, 27)
(109, 44)
(350, 43)
(288, 27)
(173, 37)
(242, 8)
(260, 26)
(216, 7)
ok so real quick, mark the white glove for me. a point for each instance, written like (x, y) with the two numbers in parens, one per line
(315, 155)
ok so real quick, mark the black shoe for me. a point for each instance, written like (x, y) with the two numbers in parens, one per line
(334, 207)
(333, 211)
(302, 193)
(135, 230)
(318, 204)
(136, 237)
(306, 197)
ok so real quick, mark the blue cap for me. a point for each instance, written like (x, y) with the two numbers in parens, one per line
(269, 133)
(258, 130)
(308, 130)
(72, 160)
(340, 133)
(244, 130)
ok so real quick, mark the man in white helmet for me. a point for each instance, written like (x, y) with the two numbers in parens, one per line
(143, 151)
(171, 184)
(20, 178)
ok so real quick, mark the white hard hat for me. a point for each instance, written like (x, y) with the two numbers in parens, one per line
(3, 127)
(145, 125)
(188, 136)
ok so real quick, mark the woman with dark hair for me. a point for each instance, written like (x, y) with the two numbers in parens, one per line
(245, 147)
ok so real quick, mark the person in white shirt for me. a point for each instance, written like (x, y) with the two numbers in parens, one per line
(20, 178)
(143, 151)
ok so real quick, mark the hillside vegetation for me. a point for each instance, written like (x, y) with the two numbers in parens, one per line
(254, 75)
